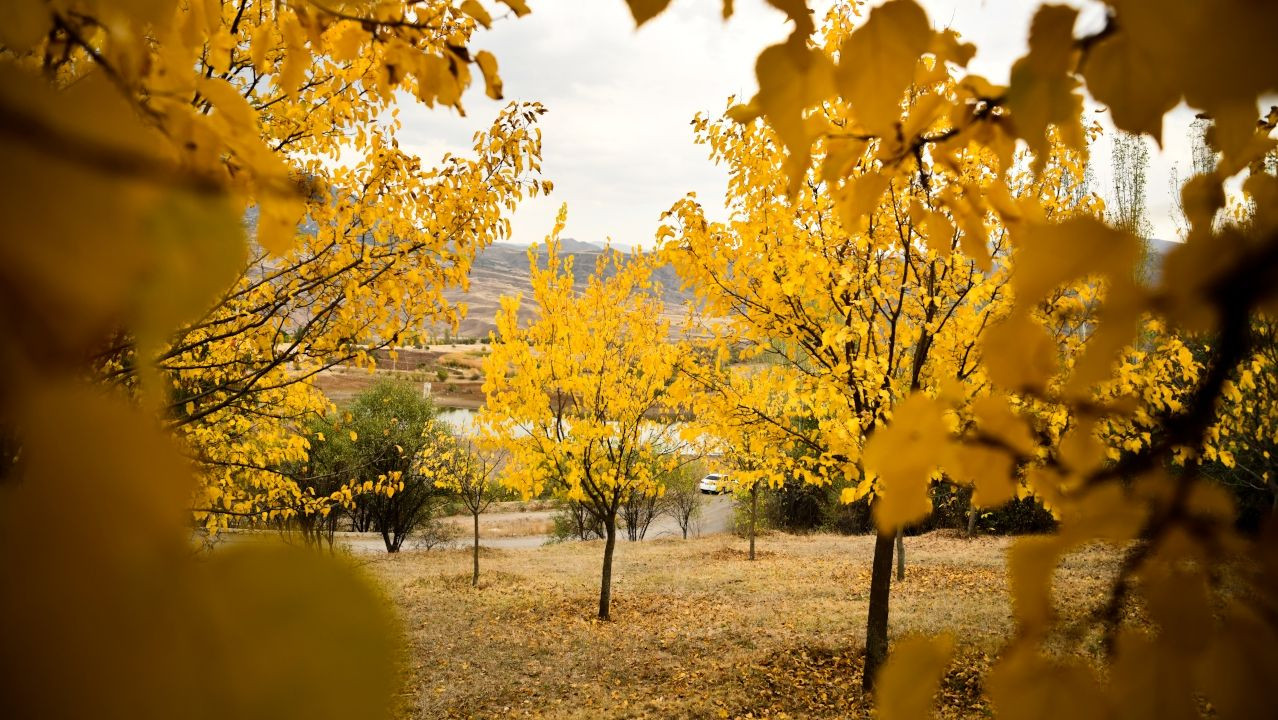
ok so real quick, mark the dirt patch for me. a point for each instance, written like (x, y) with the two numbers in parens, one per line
(461, 388)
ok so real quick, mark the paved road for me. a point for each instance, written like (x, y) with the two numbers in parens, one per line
(716, 517)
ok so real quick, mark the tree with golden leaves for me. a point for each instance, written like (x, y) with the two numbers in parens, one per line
(1174, 525)
(291, 108)
(581, 397)
(470, 471)
(847, 300)
(140, 137)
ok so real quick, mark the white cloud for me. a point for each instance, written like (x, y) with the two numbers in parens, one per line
(617, 141)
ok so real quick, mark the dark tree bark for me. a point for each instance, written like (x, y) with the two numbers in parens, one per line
(474, 580)
(900, 554)
(605, 586)
(754, 507)
(876, 626)
(971, 520)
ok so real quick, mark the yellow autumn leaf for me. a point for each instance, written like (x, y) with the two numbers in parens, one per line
(904, 454)
(793, 77)
(477, 11)
(860, 197)
(1043, 90)
(910, 679)
(987, 470)
(347, 40)
(519, 7)
(1030, 564)
(994, 416)
(1240, 655)
(876, 62)
(1150, 681)
(239, 115)
(1019, 353)
(645, 10)
(488, 66)
(1130, 79)
(22, 24)
(1024, 685)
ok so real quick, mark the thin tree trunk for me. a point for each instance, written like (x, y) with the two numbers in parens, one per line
(605, 586)
(900, 554)
(754, 504)
(876, 626)
(971, 520)
(474, 579)
(390, 545)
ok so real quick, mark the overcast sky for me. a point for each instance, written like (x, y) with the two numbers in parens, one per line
(617, 141)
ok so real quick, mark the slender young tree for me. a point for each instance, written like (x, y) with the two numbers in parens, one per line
(1129, 164)
(471, 471)
(578, 396)
(683, 498)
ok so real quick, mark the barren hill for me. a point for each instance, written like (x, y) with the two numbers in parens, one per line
(502, 269)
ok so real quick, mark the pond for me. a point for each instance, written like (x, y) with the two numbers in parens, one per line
(461, 420)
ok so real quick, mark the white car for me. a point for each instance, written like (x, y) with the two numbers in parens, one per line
(714, 483)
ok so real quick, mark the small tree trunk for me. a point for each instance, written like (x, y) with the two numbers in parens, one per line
(605, 585)
(390, 544)
(474, 579)
(900, 554)
(971, 520)
(876, 625)
(754, 497)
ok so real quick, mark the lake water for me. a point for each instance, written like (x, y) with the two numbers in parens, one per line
(462, 420)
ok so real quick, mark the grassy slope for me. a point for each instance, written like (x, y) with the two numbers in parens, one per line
(698, 630)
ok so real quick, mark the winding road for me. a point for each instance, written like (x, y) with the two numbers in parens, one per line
(716, 517)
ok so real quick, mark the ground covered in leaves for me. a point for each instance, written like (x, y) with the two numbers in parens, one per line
(698, 630)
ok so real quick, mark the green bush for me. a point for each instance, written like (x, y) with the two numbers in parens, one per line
(388, 428)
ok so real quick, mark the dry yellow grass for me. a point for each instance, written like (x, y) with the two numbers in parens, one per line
(472, 359)
(504, 525)
(698, 630)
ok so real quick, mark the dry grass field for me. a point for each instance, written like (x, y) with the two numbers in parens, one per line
(504, 524)
(697, 630)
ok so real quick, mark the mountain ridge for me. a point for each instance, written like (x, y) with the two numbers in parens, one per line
(501, 269)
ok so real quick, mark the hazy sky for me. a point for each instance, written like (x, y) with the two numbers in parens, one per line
(617, 141)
